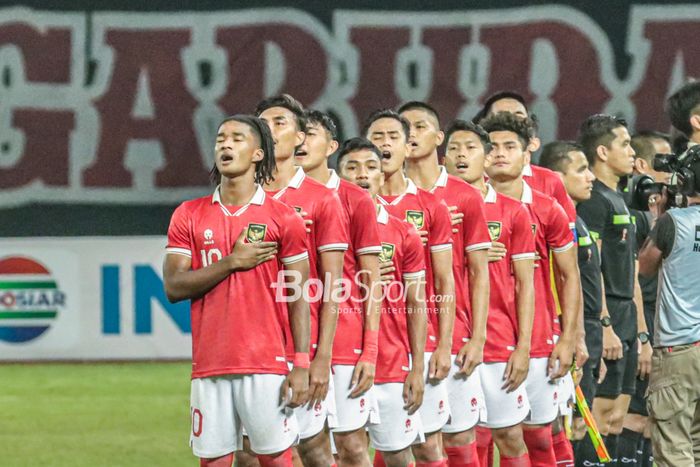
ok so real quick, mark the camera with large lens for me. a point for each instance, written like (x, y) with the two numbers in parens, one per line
(637, 189)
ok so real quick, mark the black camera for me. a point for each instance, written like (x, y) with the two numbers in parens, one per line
(684, 181)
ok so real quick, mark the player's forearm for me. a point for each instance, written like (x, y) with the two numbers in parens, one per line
(639, 301)
(445, 293)
(569, 282)
(298, 309)
(417, 318)
(331, 269)
(183, 285)
(373, 303)
(479, 289)
(524, 300)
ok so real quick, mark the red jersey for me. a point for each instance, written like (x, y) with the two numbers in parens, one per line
(328, 232)
(472, 235)
(238, 327)
(552, 232)
(548, 182)
(364, 239)
(401, 245)
(425, 212)
(508, 223)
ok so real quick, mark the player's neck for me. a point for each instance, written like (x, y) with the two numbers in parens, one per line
(237, 191)
(424, 171)
(480, 184)
(321, 174)
(512, 187)
(283, 175)
(606, 176)
(394, 185)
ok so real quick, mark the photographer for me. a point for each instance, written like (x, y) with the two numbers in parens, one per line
(673, 250)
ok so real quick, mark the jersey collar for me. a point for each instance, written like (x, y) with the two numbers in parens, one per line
(527, 193)
(490, 194)
(527, 171)
(411, 189)
(294, 183)
(258, 199)
(441, 181)
(333, 182)
(382, 215)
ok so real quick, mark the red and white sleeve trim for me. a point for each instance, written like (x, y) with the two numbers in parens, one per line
(478, 246)
(521, 256)
(561, 249)
(333, 247)
(179, 251)
(442, 247)
(369, 250)
(295, 258)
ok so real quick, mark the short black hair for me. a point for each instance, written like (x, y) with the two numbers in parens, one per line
(643, 144)
(483, 113)
(386, 113)
(597, 130)
(323, 119)
(419, 105)
(265, 168)
(355, 144)
(682, 105)
(555, 155)
(286, 101)
(464, 125)
(506, 121)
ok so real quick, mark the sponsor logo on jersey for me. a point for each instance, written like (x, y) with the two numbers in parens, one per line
(255, 232)
(387, 253)
(30, 299)
(208, 237)
(494, 230)
(415, 218)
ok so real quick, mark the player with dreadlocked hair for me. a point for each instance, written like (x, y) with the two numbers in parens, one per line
(264, 168)
(224, 251)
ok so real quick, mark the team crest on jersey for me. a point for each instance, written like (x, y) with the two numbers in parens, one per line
(534, 229)
(494, 230)
(387, 253)
(416, 219)
(255, 233)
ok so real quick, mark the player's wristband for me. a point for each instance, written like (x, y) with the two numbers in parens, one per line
(370, 347)
(301, 360)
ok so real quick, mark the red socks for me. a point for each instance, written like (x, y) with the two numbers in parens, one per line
(484, 441)
(563, 450)
(283, 460)
(539, 446)
(521, 461)
(440, 463)
(463, 456)
(378, 459)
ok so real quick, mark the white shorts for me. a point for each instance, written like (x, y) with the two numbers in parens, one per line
(435, 410)
(312, 420)
(352, 414)
(566, 395)
(399, 429)
(221, 406)
(467, 406)
(504, 409)
(542, 392)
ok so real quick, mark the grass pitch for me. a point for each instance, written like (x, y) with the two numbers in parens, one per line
(133, 414)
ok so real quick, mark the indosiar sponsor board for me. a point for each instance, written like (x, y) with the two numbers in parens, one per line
(88, 299)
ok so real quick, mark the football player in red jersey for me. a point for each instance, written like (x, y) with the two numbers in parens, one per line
(362, 255)
(471, 242)
(400, 373)
(510, 136)
(400, 196)
(511, 310)
(237, 382)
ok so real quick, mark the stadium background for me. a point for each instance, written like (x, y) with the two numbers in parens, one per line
(107, 114)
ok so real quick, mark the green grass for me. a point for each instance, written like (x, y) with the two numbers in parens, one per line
(134, 414)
